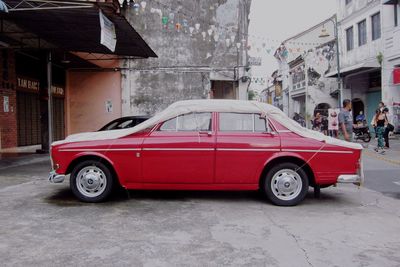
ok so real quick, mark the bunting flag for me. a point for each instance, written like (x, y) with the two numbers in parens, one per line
(178, 19)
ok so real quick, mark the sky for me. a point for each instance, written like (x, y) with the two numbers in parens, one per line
(272, 21)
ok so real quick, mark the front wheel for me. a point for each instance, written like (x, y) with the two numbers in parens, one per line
(91, 181)
(286, 184)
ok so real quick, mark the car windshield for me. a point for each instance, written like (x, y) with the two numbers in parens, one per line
(123, 123)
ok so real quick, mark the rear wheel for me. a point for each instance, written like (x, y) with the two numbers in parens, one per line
(91, 181)
(286, 184)
(367, 137)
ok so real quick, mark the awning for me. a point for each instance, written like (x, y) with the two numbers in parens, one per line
(361, 67)
(77, 29)
(390, 2)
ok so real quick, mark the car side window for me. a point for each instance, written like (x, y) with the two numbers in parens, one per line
(169, 125)
(242, 122)
(188, 122)
(236, 122)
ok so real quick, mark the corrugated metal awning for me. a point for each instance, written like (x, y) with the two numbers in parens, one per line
(77, 29)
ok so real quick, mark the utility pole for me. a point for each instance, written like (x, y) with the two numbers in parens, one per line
(50, 99)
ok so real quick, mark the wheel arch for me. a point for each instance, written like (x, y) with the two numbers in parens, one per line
(97, 157)
(287, 158)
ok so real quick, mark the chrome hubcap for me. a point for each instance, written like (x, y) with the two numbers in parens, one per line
(286, 184)
(91, 181)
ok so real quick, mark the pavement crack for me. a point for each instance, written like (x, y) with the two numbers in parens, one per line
(294, 237)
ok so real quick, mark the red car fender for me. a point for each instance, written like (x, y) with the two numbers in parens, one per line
(280, 155)
(95, 154)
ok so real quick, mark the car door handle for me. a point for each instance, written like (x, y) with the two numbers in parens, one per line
(208, 133)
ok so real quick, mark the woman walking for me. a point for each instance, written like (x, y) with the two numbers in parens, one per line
(380, 121)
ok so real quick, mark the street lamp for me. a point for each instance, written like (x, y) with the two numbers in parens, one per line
(325, 34)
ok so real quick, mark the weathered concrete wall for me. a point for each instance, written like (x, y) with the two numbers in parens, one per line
(186, 62)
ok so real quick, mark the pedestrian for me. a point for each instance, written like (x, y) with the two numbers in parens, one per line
(380, 122)
(373, 122)
(389, 127)
(346, 121)
(360, 118)
(381, 106)
(317, 122)
(324, 125)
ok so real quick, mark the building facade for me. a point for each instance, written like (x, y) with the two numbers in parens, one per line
(361, 54)
(391, 59)
(370, 55)
(200, 47)
(304, 60)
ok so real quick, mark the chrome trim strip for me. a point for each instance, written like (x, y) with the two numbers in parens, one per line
(249, 149)
(284, 131)
(319, 151)
(100, 149)
(177, 149)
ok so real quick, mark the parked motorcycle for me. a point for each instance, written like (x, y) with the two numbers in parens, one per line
(362, 133)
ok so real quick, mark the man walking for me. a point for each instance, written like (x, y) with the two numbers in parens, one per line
(346, 121)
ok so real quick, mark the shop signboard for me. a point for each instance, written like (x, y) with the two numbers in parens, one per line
(6, 104)
(278, 89)
(255, 61)
(57, 90)
(396, 76)
(333, 119)
(108, 37)
(28, 84)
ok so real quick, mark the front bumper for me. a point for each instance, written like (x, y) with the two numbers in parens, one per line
(55, 177)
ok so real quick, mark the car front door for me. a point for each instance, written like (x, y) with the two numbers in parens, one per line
(244, 144)
(180, 151)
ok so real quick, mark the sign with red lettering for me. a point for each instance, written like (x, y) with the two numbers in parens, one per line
(396, 76)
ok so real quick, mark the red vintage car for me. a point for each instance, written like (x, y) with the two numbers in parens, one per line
(208, 145)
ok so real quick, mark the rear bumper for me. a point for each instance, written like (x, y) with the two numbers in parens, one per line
(55, 177)
(350, 179)
(357, 179)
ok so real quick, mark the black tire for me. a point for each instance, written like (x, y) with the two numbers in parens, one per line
(268, 188)
(108, 184)
(367, 137)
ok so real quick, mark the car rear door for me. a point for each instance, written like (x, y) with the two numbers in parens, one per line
(180, 151)
(244, 143)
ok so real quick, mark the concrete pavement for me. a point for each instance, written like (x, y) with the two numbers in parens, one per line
(382, 172)
(44, 225)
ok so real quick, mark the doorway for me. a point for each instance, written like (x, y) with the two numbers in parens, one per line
(28, 118)
(358, 106)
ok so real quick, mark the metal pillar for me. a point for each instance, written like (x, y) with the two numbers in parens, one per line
(49, 101)
(339, 82)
